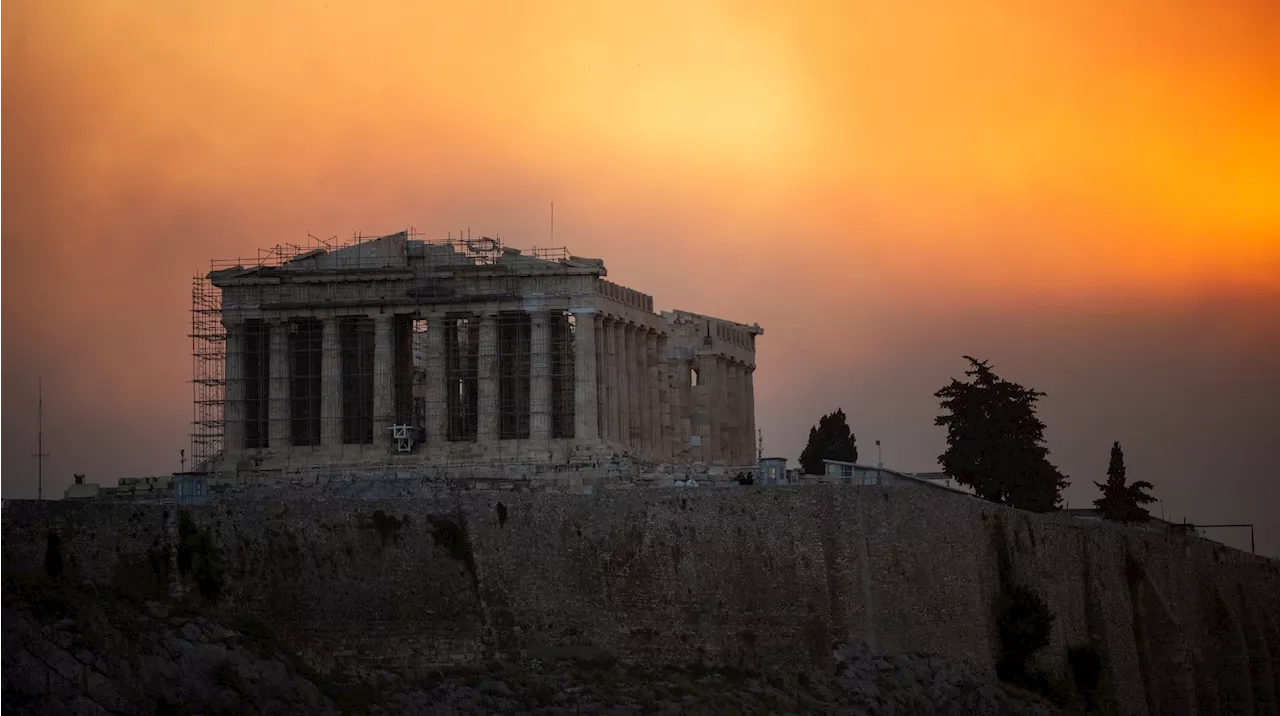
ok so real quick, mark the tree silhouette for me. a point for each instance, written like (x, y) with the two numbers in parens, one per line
(995, 441)
(1121, 502)
(830, 439)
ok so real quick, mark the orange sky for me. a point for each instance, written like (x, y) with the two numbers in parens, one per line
(882, 182)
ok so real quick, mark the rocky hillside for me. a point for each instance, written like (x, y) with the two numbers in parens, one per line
(68, 649)
(72, 650)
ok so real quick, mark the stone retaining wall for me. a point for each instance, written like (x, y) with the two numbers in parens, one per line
(766, 579)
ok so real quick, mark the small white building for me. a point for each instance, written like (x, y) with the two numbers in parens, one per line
(849, 473)
(78, 490)
(773, 471)
(942, 479)
(190, 488)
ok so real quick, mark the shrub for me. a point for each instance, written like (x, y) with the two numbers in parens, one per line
(225, 676)
(257, 635)
(53, 555)
(49, 599)
(1086, 667)
(1023, 619)
(453, 536)
(199, 557)
(388, 527)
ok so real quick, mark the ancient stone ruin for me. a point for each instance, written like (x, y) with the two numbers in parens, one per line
(403, 352)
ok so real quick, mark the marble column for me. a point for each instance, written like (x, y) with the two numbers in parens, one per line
(602, 372)
(233, 408)
(613, 330)
(744, 434)
(726, 411)
(722, 451)
(585, 429)
(653, 418)
(727, 433)
(539, 376)
(608, 409)
(748, 414)
(751, 411)
(330, 384)
(731, 433)
(641, 412)
(664, 400)
(384, 362)
(626, 353)
(635, 386)
(642, 390)
(436, 409)
(705, 423)
(726, 414)
(734, 385)
(487, 390)
(707, 402)
(739, 424)
(278, 412)
(681, 409)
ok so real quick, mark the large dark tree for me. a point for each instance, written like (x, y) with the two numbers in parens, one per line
(1121, 502)
(995, 442)
(830, 439)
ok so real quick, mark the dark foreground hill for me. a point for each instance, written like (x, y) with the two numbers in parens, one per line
(71, 649)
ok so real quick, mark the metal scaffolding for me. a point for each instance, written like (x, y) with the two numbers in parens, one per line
(208, 360)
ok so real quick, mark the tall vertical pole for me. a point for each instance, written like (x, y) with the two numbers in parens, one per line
(40, 454)
(879, 455)
(40, 439)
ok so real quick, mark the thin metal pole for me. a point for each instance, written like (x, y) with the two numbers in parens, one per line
(40, 439)
(40, 454)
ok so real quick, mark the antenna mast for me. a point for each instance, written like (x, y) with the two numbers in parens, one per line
(40, 454)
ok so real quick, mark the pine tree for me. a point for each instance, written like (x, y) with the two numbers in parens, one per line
(995, 441)
(1121, 502)
(830, 439)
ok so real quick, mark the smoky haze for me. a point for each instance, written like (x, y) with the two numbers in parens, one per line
(1084, 197)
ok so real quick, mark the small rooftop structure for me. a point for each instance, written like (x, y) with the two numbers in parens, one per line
(78, 490)
(190, 488)
(773, 471)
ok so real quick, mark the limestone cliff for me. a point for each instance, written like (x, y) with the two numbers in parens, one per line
(765, 580)
(71, 649)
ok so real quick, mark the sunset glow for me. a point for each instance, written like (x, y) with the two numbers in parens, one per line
(904, 167)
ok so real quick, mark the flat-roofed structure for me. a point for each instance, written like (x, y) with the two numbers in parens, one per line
(401, 350)
(849, 473)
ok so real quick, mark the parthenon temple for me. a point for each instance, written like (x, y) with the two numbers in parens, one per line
(405, 351)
